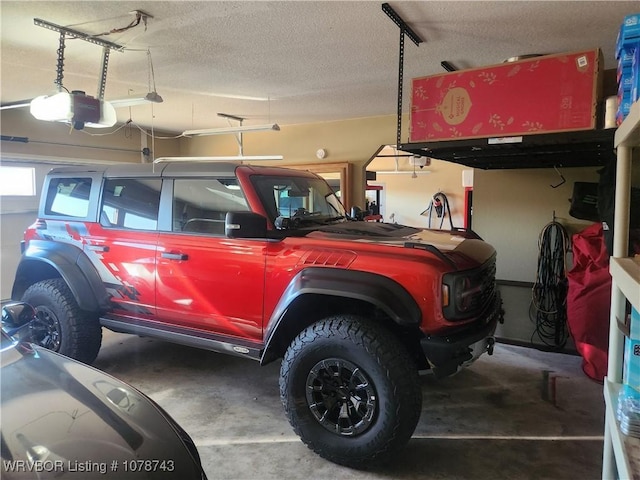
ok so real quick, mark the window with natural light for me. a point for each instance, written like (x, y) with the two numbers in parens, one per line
(17, 181)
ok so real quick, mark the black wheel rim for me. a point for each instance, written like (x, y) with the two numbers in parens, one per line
(45, 329)
(341, 397)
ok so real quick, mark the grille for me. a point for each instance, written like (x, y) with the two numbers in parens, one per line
(471, 291)
(486, 278)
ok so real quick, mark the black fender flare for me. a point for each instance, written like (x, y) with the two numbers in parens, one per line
(380, 291)
(72, 264)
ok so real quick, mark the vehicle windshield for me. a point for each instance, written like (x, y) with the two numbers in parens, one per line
(307, 201)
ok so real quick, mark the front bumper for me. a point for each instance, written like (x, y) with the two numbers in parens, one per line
(447, 353)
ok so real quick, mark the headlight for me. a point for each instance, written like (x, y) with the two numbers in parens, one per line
(467, 293)
(463, 294)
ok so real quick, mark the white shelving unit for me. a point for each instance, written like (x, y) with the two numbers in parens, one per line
(621, 453)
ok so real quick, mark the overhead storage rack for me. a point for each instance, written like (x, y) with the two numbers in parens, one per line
(581, 148)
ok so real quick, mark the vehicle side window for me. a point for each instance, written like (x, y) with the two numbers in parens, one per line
(201, 204)
(68, 197)
(131, 203)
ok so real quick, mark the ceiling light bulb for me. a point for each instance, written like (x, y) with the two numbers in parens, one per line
(52, 108)
(65, 107)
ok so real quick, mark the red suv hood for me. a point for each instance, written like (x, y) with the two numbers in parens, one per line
(447, 242)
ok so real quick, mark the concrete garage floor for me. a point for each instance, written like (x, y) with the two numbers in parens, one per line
(520, 414)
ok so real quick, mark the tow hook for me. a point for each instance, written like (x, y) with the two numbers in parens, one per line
(490, 343)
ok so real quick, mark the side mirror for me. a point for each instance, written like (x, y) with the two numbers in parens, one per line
(16, 320)
(245, 225)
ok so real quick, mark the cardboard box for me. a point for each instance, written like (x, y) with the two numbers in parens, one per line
(634, 328)
(628, 34)
(551, 93)
(626, 57)
(630, 27)
(631, 368)
(635, 75)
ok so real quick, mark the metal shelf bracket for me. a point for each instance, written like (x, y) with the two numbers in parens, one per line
(413, 36)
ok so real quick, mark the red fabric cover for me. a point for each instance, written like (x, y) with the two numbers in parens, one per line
(589, 300)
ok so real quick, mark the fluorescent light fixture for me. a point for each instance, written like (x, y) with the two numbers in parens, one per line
(227, 130)
(244, 158)
(18, 104)
(77, 108)
(151, 97)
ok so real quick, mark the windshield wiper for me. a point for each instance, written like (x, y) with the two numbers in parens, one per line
(312, 221)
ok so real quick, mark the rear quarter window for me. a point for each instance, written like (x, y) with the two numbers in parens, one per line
(131, 203)
(68, 197)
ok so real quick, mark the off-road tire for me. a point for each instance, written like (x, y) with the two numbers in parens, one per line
(78, 333)
(383, 368)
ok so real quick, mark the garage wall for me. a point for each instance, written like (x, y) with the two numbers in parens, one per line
(16, 214)
(355, 141)
(406, 197)
(51, 139)
(511, 208)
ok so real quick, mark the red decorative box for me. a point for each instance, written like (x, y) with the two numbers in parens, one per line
(550, 93)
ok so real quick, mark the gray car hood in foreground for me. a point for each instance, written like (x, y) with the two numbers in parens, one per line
(64, 419)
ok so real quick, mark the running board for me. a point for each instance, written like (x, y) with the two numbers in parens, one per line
(183, 336)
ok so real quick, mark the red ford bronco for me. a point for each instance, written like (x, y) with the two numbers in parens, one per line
(263, 263)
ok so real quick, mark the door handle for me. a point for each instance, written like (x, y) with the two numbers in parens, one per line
(98, 248)
(175, 256)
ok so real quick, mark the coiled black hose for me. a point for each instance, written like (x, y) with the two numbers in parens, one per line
(548, 310)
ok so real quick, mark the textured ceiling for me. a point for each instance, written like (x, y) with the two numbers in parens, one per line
(288, 62)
